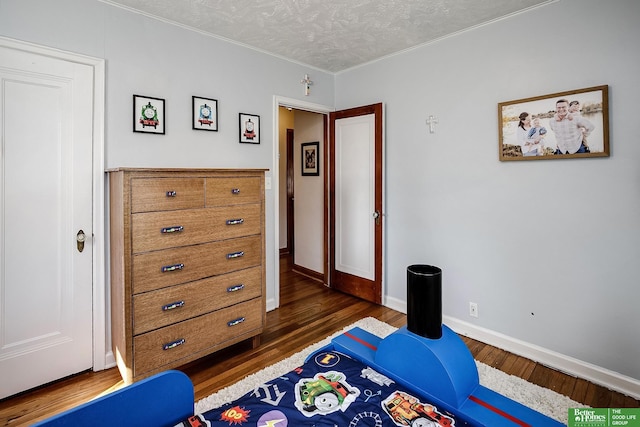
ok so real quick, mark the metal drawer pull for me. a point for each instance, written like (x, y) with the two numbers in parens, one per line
(174, 267)
(235, 322)
(235, 221)
(235, 191)
(174, 229)
(171, 193)
(174, 344)
(235, 288)
(173, 305)
(235, 255)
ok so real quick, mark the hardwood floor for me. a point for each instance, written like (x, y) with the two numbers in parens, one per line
(308, 313)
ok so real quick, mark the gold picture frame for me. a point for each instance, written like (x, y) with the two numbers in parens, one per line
(571, 124)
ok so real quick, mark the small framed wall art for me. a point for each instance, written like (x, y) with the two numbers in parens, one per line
(310, 158)
(249, 128)
(204, 113)
(572, 124)
(148, 114)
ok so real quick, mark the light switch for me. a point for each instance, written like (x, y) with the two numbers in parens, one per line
(267, 183)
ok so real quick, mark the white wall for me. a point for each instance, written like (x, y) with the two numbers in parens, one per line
(567, 281)
(286, 121)
(148, 57)
(308, 190)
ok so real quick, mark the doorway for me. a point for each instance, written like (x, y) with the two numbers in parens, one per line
(375, 113)
(301, 195)
(279, 186)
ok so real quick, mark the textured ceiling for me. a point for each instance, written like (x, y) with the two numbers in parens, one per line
(331, 35)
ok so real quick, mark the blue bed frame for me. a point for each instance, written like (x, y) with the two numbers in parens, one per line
(164, 399)
(441, 370)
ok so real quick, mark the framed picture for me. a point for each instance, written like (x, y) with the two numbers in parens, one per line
(148, 114)
(204, 113)
(572, 124)
(249, 128)
(311, 158)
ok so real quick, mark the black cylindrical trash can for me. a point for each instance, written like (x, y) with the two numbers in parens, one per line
(424, 300)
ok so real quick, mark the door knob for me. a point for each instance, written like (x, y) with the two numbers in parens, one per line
(80, 238)
(376, 216)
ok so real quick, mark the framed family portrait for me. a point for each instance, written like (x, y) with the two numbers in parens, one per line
(310, 158)
(204, 113)
(571, 124)
(148, 114)
(249, 128)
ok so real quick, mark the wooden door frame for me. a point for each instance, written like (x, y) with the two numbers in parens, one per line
(102, 354)
(290, 249)
(325, 170)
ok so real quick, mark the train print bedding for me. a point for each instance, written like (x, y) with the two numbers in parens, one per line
(329, 389)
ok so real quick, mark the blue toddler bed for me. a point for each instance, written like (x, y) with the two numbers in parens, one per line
(350, 382)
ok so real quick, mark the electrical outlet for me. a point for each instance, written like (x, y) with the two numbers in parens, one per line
(473, 309)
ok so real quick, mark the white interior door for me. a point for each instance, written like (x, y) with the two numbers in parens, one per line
(355, 196)
(356, 181)
(46, 119)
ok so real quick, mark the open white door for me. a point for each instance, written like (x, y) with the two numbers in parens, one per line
(356, 178)
(46, 126)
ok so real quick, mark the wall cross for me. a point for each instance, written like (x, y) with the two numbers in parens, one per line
(307, 82)
(432, 122)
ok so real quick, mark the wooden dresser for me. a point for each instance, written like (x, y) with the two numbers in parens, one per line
(187, 264)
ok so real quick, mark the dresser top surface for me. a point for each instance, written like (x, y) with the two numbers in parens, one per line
(183, 170)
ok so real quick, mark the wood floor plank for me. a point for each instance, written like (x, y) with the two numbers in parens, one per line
(308, 313)
(491, 356)
(552, 379)
(517, 366)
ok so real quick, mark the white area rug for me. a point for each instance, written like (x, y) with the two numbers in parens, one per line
(543, 400)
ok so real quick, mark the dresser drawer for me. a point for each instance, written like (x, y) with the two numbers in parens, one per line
(160, 230)
(162, 194)
(163, 346)
(235, 190)
(159, 269)
(155, 309)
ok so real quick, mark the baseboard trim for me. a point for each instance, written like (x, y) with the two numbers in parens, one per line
(110, 360)
(395, 304)
(569, 365)
(309, 273)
